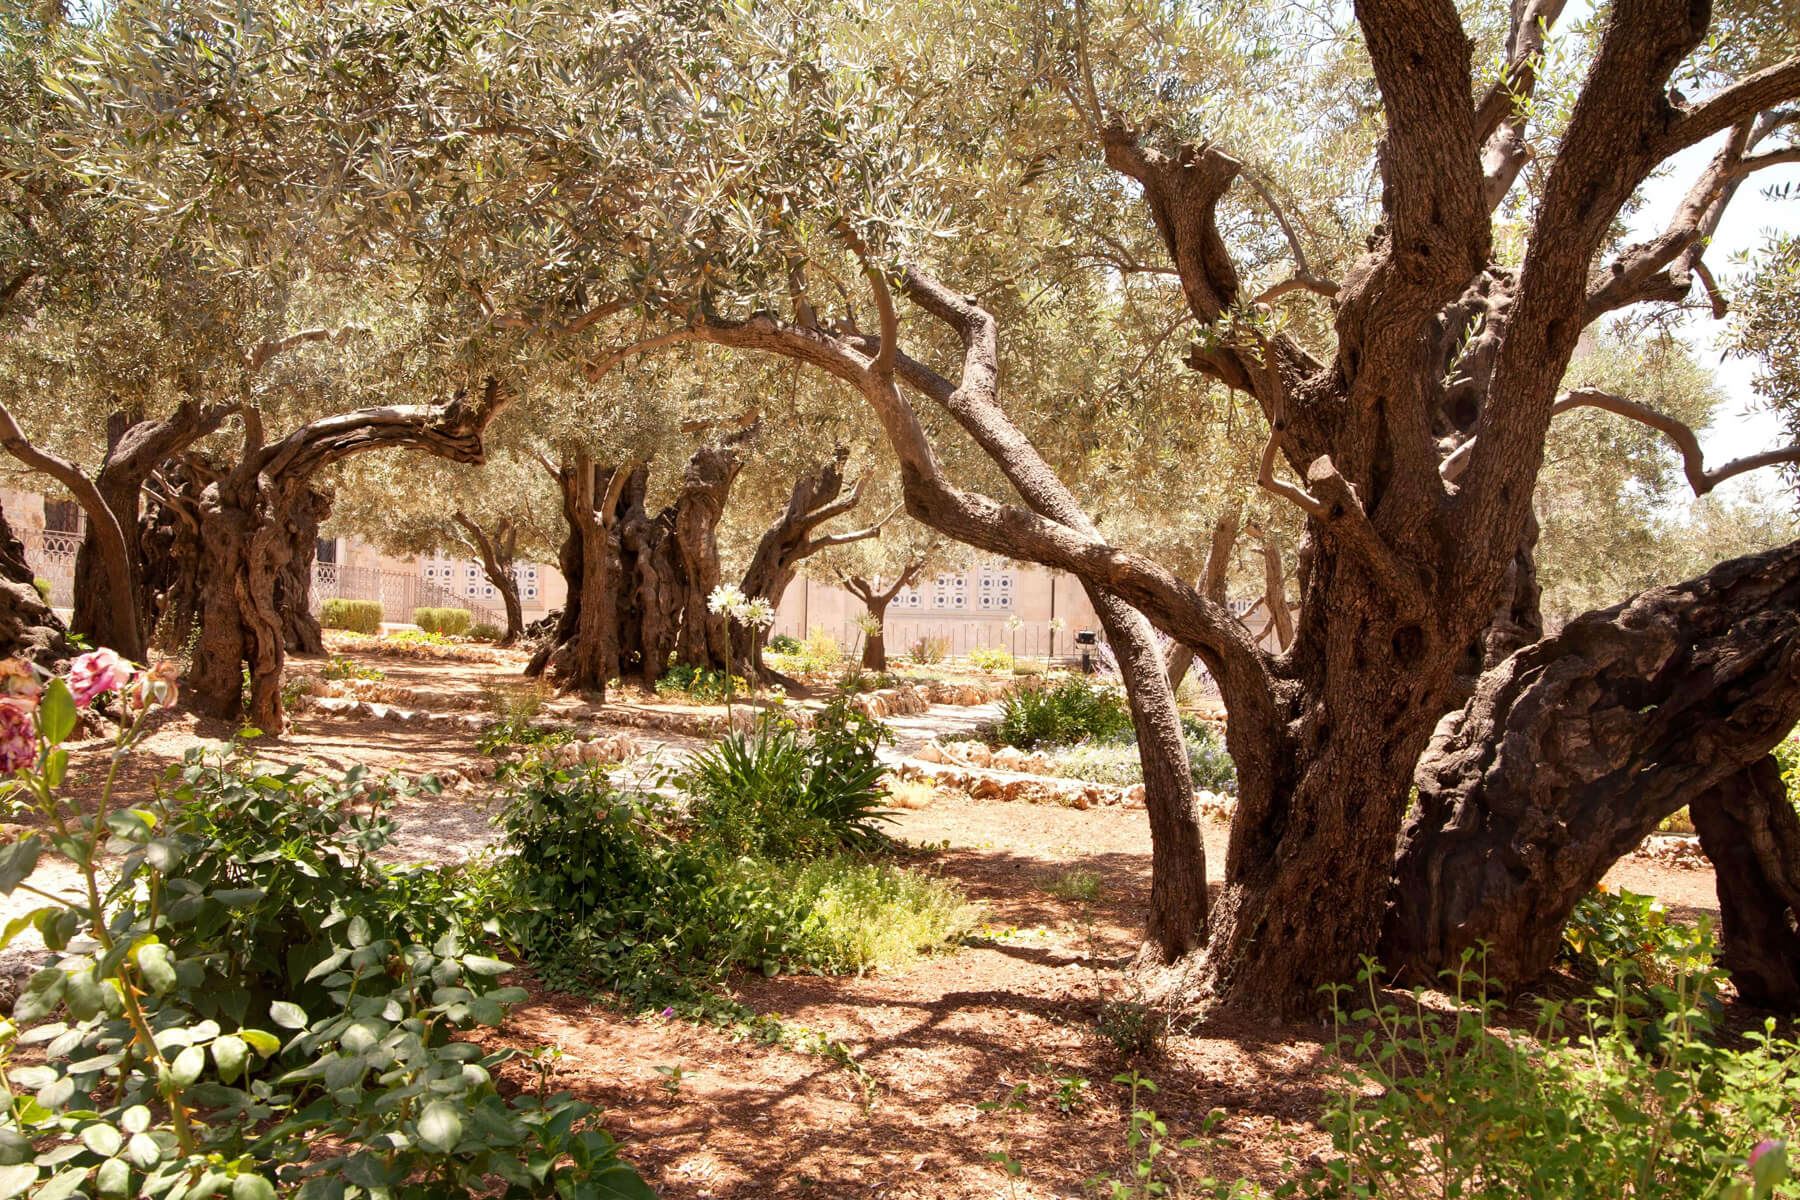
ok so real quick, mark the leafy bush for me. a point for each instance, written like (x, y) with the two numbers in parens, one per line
(929, 650)
(779, 793)
(783, 643)
(274, 863)
(1446, 1104)
(1609, 931)
(613, 892)
(43, 587)
(819, 654)
(703, 685)
(342, 667)
(451, 622)
(1208, 761)
(358, 616)
(995, 660)
(861, 915)
(136, 1092)
(486, 631)
(1071, 710)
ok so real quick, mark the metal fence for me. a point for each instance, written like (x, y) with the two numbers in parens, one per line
(51, 555)
(953, 637)
(398, 591)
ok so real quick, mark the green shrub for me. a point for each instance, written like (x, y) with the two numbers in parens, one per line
(780, 793)
(1609, 931)
(860, 916)
(342, 667)
(486, 631)
(702, 685)
(995, 660)
(784, 643)
(1208, 761)
(364, 1093)
(358, 616)
(819, 654)
(450, 622)
(274, 863)
(1071, 710)
(1445, 1104)
(43, 587)
(614, 890)
(929, 650)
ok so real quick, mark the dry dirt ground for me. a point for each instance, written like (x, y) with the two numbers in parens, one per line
(930, 1044)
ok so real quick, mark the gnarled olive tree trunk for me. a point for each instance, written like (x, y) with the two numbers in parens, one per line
(293, 585)
(584, 652)
(1750, 830)
(137, 447)
(1575, 748)
(247, 539)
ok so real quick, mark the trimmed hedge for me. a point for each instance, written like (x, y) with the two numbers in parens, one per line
(451, 622)
(358, 616)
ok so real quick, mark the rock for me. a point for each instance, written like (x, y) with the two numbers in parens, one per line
(1133, 794)
(987, 789)
(930, 752)
(1007, 759)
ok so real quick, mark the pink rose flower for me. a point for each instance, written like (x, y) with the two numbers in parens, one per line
(95, 673)
(18, 735)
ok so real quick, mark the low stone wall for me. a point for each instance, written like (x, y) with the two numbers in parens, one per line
(996, 783)
(910, 698)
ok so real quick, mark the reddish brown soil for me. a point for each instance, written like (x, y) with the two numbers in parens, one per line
(932, 1043)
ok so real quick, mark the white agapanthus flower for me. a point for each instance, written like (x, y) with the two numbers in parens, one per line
(757, 614)
(870, 624)
(1056, 624)
(726, 600)
(1014, 621)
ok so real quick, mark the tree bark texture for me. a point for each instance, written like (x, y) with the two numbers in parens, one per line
(247, 539)
(1574, 749)
(137, 447)
(293, 585)
(1750, 830)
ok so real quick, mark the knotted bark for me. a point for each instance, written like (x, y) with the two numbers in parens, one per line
(1574, 749)
(137, 447)
(293, 585)
(247, 540)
